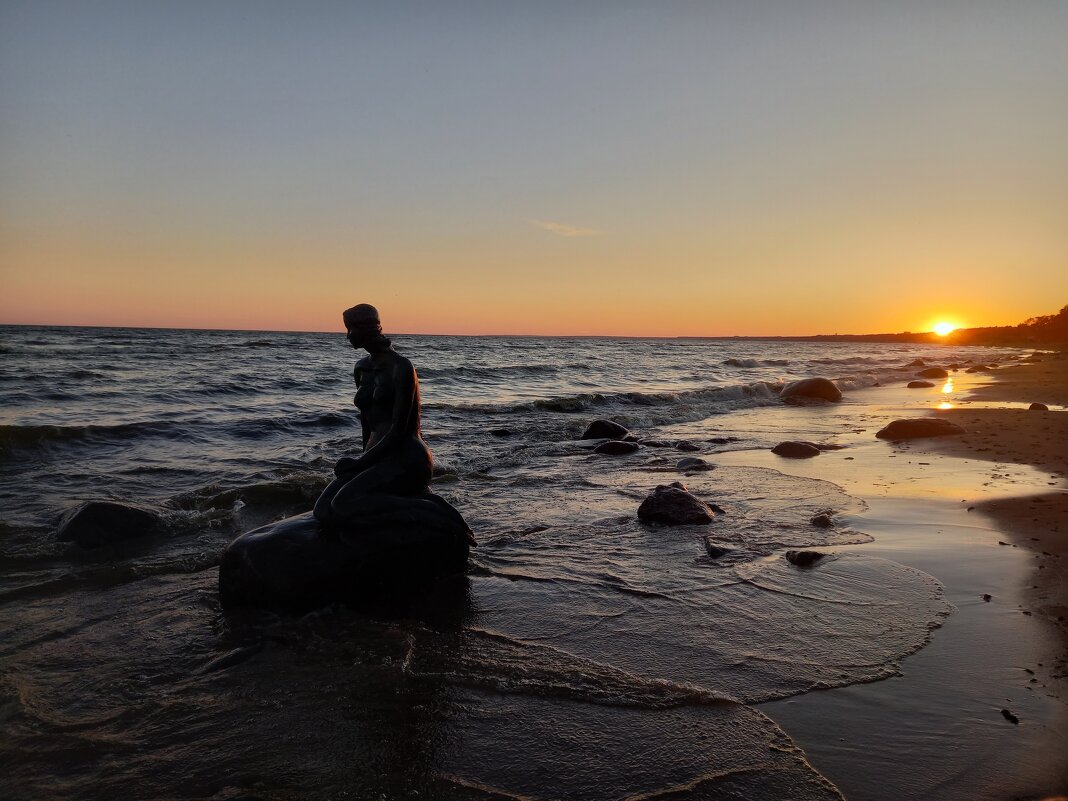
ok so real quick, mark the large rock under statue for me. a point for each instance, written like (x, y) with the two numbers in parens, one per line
(399, 549)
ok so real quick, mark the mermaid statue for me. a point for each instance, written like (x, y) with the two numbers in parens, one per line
(376, 530)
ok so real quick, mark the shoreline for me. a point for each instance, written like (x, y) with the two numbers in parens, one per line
(941, 506)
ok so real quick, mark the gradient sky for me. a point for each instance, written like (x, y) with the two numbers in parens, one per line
(656, 168)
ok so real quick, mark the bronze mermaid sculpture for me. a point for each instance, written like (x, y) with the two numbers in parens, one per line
(376, 529)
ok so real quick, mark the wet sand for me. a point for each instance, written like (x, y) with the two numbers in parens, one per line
(953, 508)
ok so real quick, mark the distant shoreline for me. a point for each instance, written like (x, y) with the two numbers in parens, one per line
(957, 338)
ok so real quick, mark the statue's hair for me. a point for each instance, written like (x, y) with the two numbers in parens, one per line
(368, 315)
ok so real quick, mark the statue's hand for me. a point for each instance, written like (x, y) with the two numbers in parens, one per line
(346, 464)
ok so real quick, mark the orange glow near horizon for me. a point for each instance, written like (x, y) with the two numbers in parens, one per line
(944, 328)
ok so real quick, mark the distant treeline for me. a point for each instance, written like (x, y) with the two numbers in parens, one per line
(1049, 329)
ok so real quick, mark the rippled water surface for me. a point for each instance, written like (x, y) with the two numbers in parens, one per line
(586, 655)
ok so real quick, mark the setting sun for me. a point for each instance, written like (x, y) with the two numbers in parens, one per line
(944, 328)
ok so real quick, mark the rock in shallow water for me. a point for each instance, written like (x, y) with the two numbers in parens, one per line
(796, 450)
(933, 372)
(919, 427)
(1038, 407)
(919, 384)
(672, 505)
(400, 549)
(813, 389)
(616, 447)
(804, 558)
(97, 523)
(604, 429)
(693, 463)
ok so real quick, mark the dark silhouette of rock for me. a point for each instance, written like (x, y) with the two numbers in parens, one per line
(616, 447)
(657, 443)
(822, 520)
(604, 429)
(1038, 407)
(918, 427)
(979, 368)
(722, 440)
(689, 447)
(714, 549)
(953, 366)
(1011, 718)
(811, 389)
(672, 505)
(796, 450)
(804, 558)
(917, 363)
(97, 523)
(933, 372)
(920, 385)
(501, 432)
(396, 550)
(693, 463)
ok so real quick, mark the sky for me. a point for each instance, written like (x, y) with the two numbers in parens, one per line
(645, 169)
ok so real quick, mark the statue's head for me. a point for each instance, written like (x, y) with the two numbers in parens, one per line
(363, 325)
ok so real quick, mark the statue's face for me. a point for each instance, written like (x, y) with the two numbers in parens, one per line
(361, 330)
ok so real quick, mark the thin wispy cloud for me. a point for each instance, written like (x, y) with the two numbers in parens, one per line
(562, 229)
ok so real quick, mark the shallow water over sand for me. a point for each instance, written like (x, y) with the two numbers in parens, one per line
(586, 655)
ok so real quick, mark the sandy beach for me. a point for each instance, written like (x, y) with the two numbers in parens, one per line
(1019, 435)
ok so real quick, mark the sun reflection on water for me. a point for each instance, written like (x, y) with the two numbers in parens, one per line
(947, 387)
(944, 405)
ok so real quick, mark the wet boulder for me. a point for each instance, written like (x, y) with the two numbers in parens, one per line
(933, 372)
(920, 385)
(97, 523)
(917, 363)
(693, 464)
(796, 450)
(811, 389)
(616, 447)
(672, 505)
(1038, 407)
(401, 548)
(822, 520)
(804, 558)
(979, 368)
(688, 447)
(604, 429)
(714, 549)
(919, 427)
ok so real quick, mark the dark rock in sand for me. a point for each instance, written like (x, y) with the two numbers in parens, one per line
(689, 447)
(822, 521)
(1038, 407)
(919, 385)
(631, 438)
(918, 427)
(804, 558)
(616, 447)
(917, 363)
(812, 388)
(693, 463)
(501, 432)
(722, 440)
(604, 429)
(979, 368)
(402, 546)
(796, 450)
(714, 549)
(933, 372)
(97, 523)
(1011, 718)
(657, 443)
(672, 505)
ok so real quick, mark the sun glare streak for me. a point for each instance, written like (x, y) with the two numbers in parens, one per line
(944, 405)
(947, 387)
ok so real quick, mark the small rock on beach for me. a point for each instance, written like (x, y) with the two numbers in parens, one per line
(604, 429)
(918, 427)
(616, 447)
(672, 505)
(812, 388)
(97, 523)
(796, 450)
(919, 384)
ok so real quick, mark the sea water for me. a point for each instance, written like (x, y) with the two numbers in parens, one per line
(586, 655)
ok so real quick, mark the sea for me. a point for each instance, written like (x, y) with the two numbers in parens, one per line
(585, 656)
